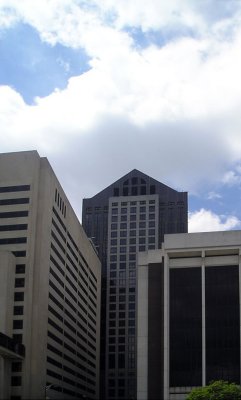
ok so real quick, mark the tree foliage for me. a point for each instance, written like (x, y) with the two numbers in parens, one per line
(217, 390)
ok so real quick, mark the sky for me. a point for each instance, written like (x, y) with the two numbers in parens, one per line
(101, 87)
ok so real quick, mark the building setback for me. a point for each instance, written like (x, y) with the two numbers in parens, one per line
(129, 216)
(49, 287)
(189, 314)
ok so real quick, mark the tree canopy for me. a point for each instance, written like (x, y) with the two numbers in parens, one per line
(217, 390)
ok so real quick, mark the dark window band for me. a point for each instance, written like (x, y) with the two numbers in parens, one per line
(7, 202)
(14, 214)
(19, 227)
(13, 240)
(21, 188)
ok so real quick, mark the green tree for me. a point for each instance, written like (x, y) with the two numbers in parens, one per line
(217, 390)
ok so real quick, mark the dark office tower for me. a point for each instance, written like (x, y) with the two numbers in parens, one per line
(129, 216)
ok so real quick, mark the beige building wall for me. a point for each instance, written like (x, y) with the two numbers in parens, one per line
(61, 282)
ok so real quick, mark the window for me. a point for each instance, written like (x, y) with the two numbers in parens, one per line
(16, 366)
(113, 242)
(19, 282)
(113, 226)
(116, 192)
(152, 189)
(114, 218)
(132, 249)
(16, 381)
(122, 241)
(133, 225)
(20, 269)
(19, 296)
(123, 217)
(114, 211)
(6, 202)
(20, 188)
(133, 209)
(18, 324)
(123, 225)
(14, 214)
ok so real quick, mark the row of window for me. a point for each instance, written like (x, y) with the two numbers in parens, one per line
(132, 210)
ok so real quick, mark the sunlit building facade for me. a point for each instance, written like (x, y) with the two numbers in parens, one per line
(49, 287)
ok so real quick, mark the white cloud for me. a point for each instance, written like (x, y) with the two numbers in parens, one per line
(207, 221)
(213, 196)
(173, 109)
(231, 178)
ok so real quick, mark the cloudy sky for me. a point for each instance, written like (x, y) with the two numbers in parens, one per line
(104, 86)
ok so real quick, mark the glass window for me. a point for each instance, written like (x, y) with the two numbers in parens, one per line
(132, 297)
(113, 234)
(132, 257)
(113, 226)
(114, 218)
(132, 249)
(112, 266)
(142, 248)
(151, 216)
(132, 233)
(123, 249)
(122, 241)
(123, 217)
(19, 282)
(133, 209)
(133, 225)
(122, 257)
(123, 210)
(19, 296)
(122, 265)
(142, 209)
(122, 298)
(123, 225)
(142, 240)
(151, 224)
(151, 240)
(123, 233)
(142, 224)
(132, 217)
(151, 232)
(151, 208)
(132, 241)
(114, 210)
(113, 258)
(142, 232)
(113, 250)
(113, 242)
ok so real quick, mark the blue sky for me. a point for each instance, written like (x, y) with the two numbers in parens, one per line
(104, 86)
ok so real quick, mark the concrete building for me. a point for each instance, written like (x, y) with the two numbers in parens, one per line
(189, 314)
(130, 215)
(49, 287)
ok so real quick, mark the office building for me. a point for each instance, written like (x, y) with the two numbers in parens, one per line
(49, 287)
(189, 314)
(129, 216)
